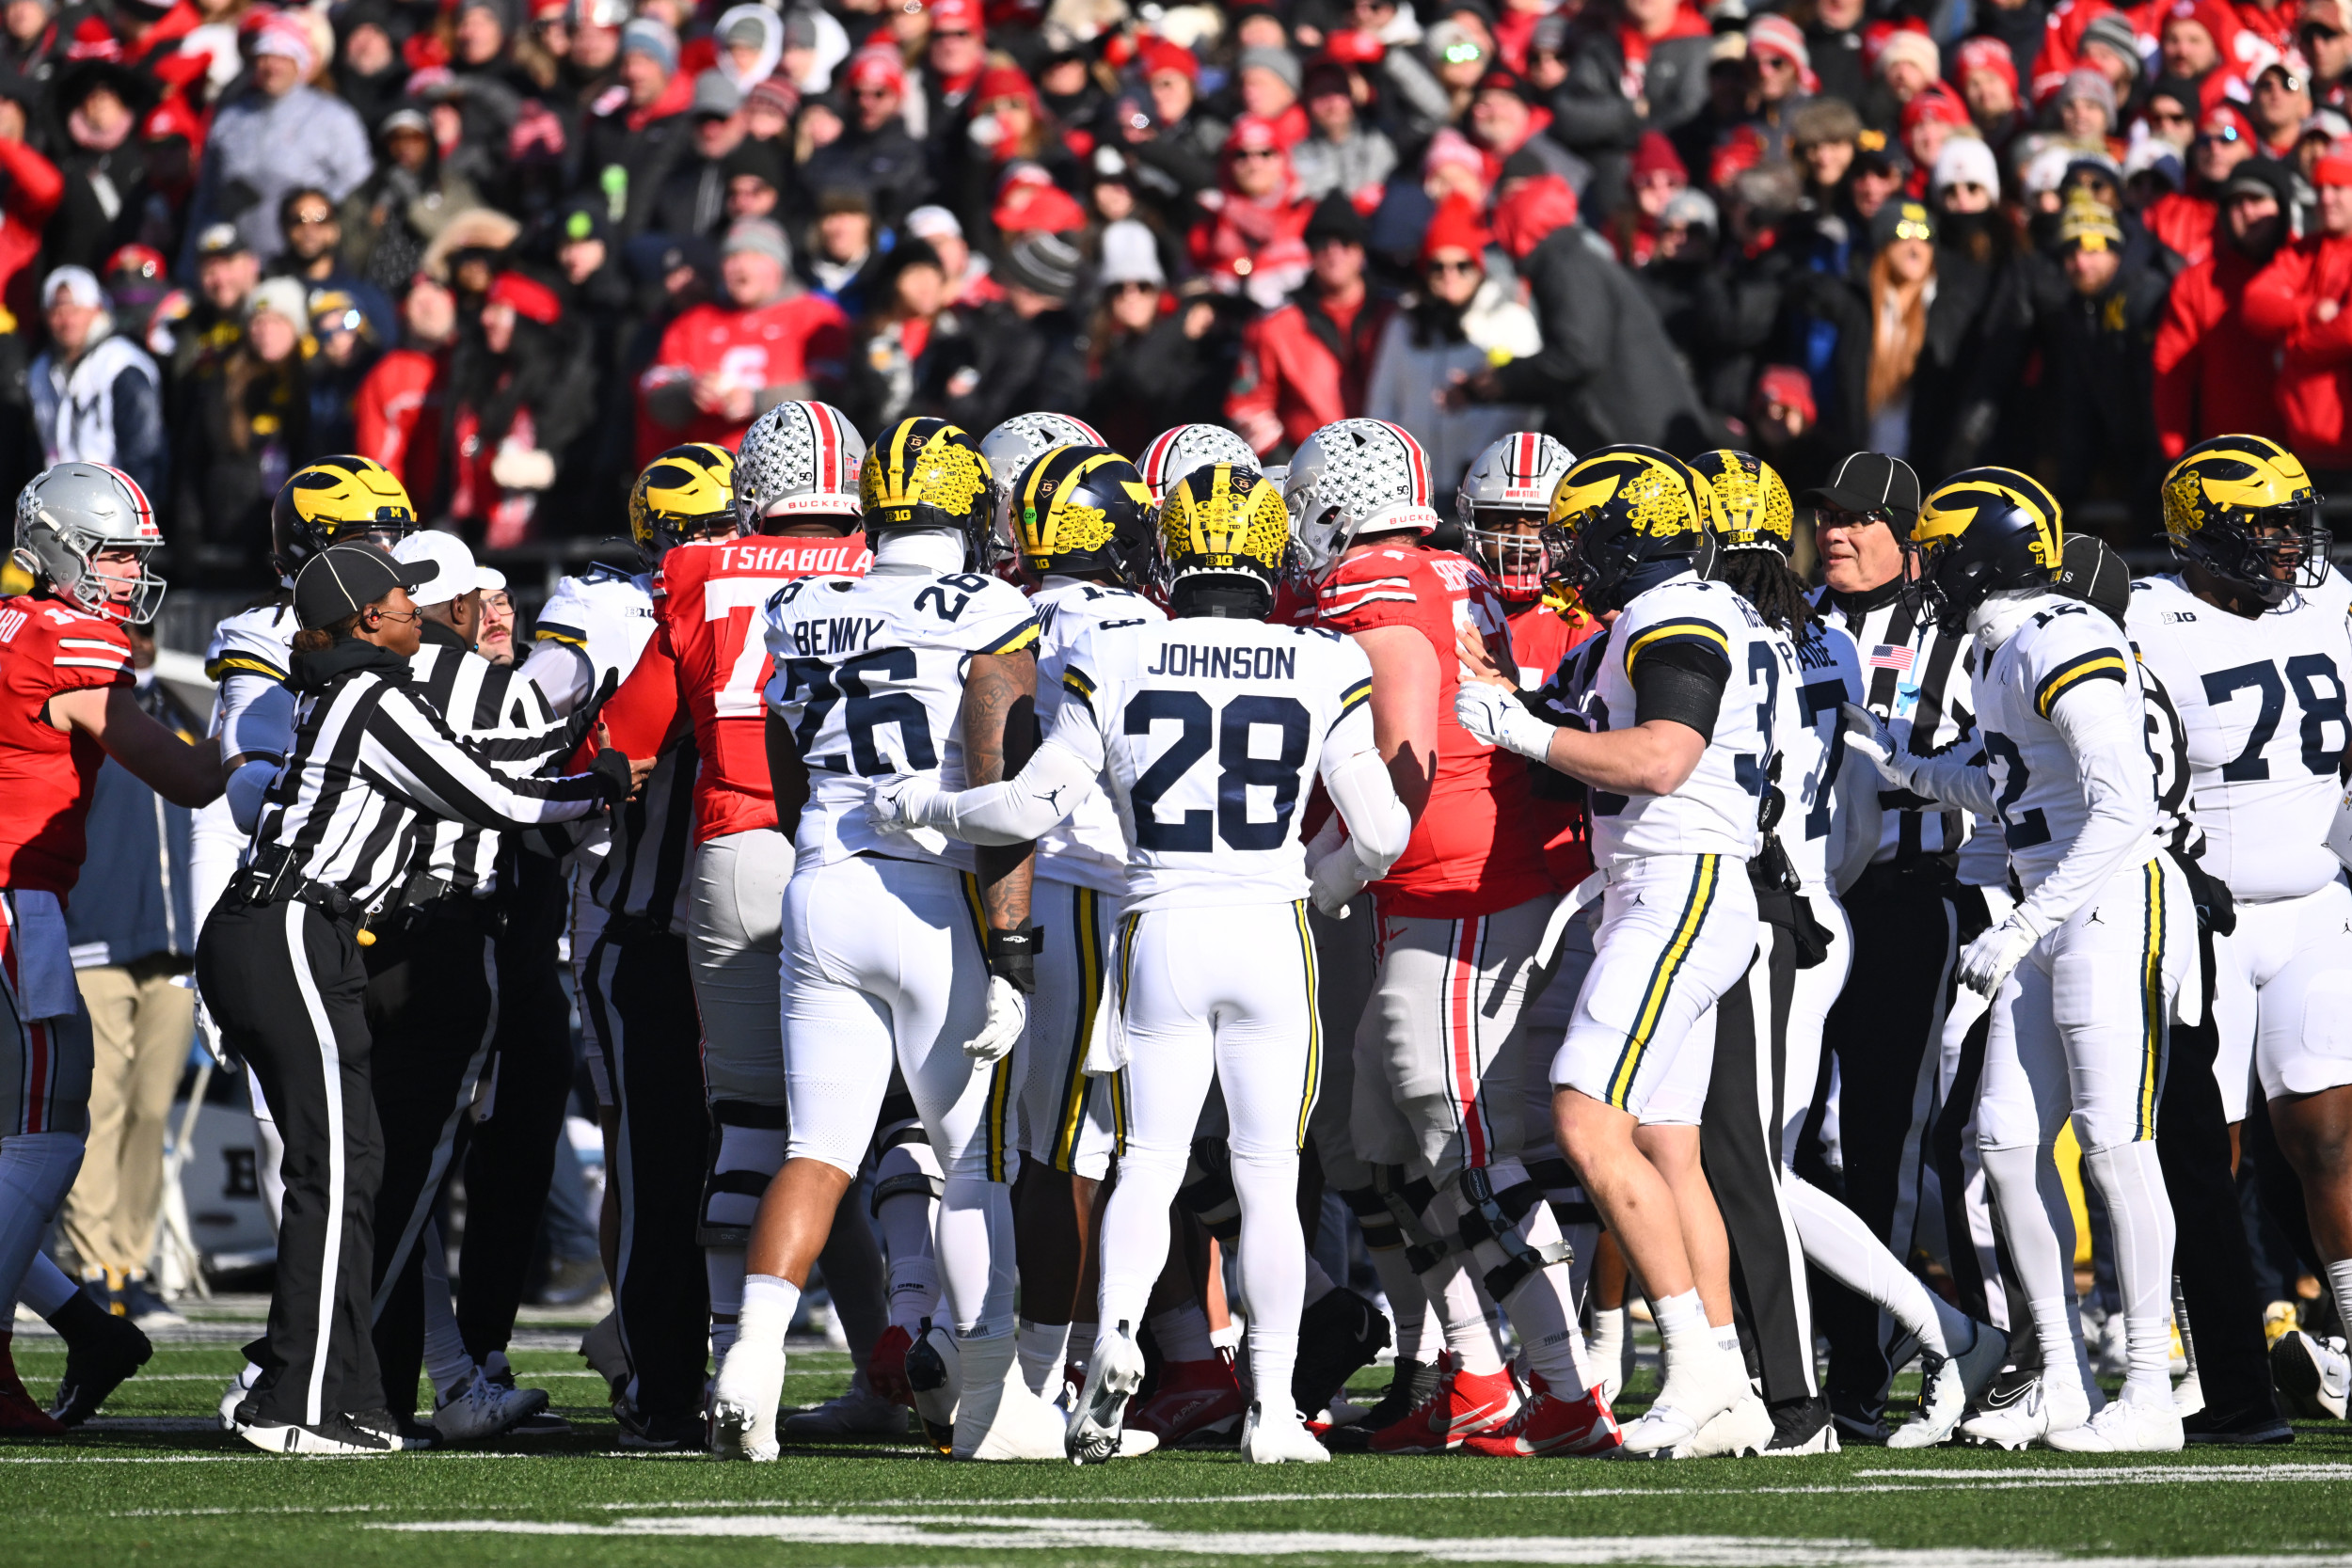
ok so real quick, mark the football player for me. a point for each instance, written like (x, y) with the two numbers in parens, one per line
(1080, 520)
(2259, 672)
(919, 952)
(1460, 914)
(1189, 721)
(1010, 448)
(2082, 973)
(86, 535)
(1178, 450)
(1674, 739)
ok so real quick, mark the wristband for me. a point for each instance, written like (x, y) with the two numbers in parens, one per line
(1013, 958)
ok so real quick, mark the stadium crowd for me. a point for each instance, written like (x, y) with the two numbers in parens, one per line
(511, 249)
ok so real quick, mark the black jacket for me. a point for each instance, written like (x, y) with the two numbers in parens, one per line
(887, 164)
(1000, 365)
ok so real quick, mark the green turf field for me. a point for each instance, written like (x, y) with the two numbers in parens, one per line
(148, 1484)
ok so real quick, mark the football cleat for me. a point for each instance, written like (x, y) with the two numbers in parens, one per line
(1279, 1438)
(1409, 1383)
(859, 1413)
(1548, 1424)
(2312, 1374)
(2030, 1409)
(1802, 1427)
(1099, 1419)
(20, 1414)
(1692, 1396)
(886, 1365)
(998, 1418)
(933, 1380)
(336, 1434)
(2235, 1429)
(2188, 1395)
(239, 1388)
(1338, 1336)
(643, 1434)
(2126, 1426)
(743, 1403)
(1943, 1402)
(1198, 1402)
(480, 1409)
(97, 1359)
(404, 1435)
(1741, 1432)
(1461, 1406)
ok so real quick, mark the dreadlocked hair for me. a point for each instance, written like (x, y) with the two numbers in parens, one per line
(1762, 578)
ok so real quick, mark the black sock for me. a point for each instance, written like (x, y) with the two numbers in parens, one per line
(77, 1317)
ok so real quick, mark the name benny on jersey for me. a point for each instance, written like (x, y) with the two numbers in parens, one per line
(831, 636)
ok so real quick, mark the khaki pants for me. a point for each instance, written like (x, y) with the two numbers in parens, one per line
(141, 1025)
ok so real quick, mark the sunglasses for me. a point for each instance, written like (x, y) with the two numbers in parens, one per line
(2227, 134)
(1467, 267)
(1907, 229)
(2169, 117)
(312, 220)
(1252, 152)
(1135, 288)
(2324, 35)
(874, 94)
(2283, 81)
(952, 33)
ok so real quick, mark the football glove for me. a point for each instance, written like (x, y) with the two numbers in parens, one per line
(1868, 734)
(1985, 962)
(1497, 717)
(1008, 1015)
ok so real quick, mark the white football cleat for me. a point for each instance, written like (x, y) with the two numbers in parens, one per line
(743, 1403)
(2315, 1376)
(1097, 1426)
(1134, 1443)
(1279, 1438)
(2041, 1408)
(234, 1395)
(481, 1409)
(1739, 1432)
(1943, 1400)
(1691, 1397)
(998, 1418)
(2126, 1426)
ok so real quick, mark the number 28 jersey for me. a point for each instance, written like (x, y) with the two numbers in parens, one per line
(2261, 709)
(1209, 734)
(869, 677)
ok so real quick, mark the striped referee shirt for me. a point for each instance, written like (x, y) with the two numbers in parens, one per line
(510, 724)
(375, 769)
(1915, 678)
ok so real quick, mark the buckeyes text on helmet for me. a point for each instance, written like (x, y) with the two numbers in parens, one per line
(798, 463)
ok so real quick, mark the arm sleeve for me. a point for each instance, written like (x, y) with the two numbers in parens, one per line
(1678, 678)
(409, 748)
(2105, 726)
(1378, 826)
(1047, 789)
(561, 672)
(257, 715)
(1957, 778)
(248, 788)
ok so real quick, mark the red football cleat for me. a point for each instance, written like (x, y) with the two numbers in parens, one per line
(1195, 1400)
(1548, 1424)
(886, 1368)
(20, 1414)
(1465, 1404)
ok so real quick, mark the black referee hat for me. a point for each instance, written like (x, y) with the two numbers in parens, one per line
(1871, 482)
(2091, 572)
(343, 579)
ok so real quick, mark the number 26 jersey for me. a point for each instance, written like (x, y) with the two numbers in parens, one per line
(869, 677)
(1209, 734)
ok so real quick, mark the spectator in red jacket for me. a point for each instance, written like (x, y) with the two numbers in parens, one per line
(1253, 242)
(2184, 220)
(2297, 304)
(723, 365)
(30, 189)
(1305, 365)
(2213, 374)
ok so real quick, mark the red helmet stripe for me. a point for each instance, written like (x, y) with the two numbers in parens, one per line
(827, 443)
(1415, 461)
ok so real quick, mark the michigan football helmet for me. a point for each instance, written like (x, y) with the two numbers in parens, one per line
(74, 511)
(337, 501)
(1173, 454)
(798, 460)
(686, 493)
(1224, 543)
(1082, 511)
(1753, 510)
(1981, 532)
(2243, 508)
(1502, 501)
(1351, 478)
(927, 473)
(1625, 519)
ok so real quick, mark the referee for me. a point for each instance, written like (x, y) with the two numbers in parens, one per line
(374, 770)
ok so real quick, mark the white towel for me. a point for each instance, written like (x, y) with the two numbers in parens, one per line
(1566, 909)
(1107, 1047)
(44, 957)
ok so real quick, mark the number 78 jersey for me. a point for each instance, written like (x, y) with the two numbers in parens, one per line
(869, 677)
(1209, 733)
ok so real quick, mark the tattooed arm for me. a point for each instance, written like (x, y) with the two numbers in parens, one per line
(999, 733)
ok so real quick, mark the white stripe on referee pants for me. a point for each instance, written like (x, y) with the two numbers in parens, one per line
(421, 1209)
(604, 964)
(331, 1072)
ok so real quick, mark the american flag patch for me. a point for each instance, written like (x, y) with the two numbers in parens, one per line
(1887, 655)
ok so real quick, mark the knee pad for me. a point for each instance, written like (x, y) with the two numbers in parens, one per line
(899, 1124)
(1373, 1219)
(38, 1169)
(1405, 1200)
(747, 1144)
(1208, 1190)
(1500, 1217)
(907, 1169)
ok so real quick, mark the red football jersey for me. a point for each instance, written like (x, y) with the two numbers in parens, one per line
(707, 598)
(1477, 849)
(805, 338)
(46, 773)
(1541, 635)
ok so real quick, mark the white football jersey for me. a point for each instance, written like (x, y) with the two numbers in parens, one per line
(2262, 706)
(1089, 847)
(1715, 813)
(2334, 592)
(1209, 734)
(2038, 792)
(1811, 742)
(246, 662)
(604, 612)
(869, 676)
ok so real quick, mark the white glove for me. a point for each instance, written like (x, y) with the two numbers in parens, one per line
(1985, 962)
(1867, 733)
(1336, 879)
(1499, 718)
(208, 1033)
(1008, 1015)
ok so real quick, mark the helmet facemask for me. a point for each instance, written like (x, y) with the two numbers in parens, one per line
(2266, 554)
(55, 547)
(1509, 546)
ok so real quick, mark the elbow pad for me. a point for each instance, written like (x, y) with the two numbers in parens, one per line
(1378, 826)
(248, 786)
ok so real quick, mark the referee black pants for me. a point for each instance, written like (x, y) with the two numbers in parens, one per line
(284, 985)
(636, 996)
(1740, 1145)
(1886, 1032)
(510, 1158)
(431, 1001)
